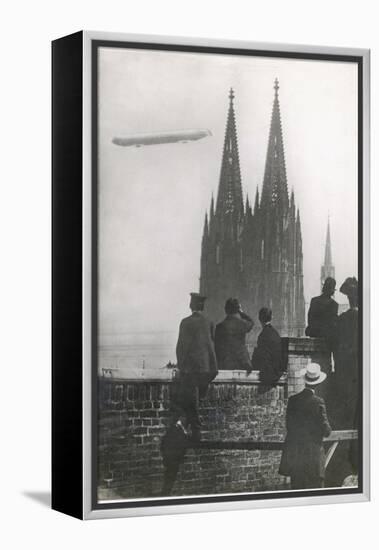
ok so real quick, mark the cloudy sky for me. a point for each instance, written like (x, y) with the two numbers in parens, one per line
(152, 200)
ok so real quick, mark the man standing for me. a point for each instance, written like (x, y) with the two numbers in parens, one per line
(230, 345)
(322, 319)
(197, 365)
(347, 361)
(267, 356)
(344, 408)
(323, 312)
(303, 457)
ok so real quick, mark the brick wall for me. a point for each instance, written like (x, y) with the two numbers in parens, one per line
(134, 415)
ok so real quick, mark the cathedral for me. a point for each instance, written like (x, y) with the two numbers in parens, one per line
(254, 251)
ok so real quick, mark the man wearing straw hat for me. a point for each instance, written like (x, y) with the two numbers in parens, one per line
(303, 457)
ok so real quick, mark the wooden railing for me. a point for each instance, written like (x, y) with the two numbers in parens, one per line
(249, 445)
(173, 454)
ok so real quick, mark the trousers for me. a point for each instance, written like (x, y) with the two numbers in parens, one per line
(185, 398)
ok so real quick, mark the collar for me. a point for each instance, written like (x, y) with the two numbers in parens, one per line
(307, 388)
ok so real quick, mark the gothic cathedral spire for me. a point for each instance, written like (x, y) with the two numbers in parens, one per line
(221, 256)
(229, 198)
(274, 190)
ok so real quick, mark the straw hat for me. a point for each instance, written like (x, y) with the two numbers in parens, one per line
(313, 374)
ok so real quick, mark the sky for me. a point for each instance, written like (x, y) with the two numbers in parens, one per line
(152, 200)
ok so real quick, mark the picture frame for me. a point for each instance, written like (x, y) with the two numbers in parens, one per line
(112, 408)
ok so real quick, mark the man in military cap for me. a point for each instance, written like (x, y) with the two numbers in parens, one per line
(197, 365)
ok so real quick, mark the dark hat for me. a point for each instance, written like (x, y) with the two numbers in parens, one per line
(197, 299)
(350, 287)
(198, 296)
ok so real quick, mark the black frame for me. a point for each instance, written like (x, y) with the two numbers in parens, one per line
(67, 418)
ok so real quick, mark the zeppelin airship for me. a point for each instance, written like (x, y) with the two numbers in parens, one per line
(178, 136)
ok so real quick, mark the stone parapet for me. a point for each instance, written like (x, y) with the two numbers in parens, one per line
(134, 416)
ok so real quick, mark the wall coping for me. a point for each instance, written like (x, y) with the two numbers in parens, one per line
(304, 346)
(223, 377)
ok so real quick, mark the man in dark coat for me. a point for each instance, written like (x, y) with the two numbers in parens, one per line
(346, 354)
(303, 457)
(230, 344)
(323, 311)
(322, 319)
(267, 356)
(345, 407)
(197, 365)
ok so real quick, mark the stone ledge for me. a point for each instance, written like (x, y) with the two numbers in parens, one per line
(292, 347)
(240, 376)
(223, 377)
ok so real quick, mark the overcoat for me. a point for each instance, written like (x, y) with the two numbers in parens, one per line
(195, 348)
(267, 356)
(322, 317)
(230, 345)
(346, 375)
(307, 424)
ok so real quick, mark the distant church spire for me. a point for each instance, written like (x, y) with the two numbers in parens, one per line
(327, 270)
(256, 203)
(229, 198)
(205, 230)
(274, 191)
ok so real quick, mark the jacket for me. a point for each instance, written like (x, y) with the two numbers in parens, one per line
(322, 317)
(230, 345)
(346, 376)
(195, 348)
(267, 356)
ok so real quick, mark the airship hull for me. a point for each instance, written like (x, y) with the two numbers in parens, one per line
(183, 136)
